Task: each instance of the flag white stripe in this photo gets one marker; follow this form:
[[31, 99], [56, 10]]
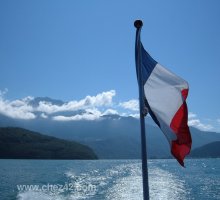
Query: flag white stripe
[[163, 93]]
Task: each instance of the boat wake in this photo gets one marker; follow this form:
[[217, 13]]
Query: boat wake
[[116, 181]]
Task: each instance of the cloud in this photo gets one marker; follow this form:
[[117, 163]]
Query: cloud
[[110, 112], [90, 107], [22, 108], [18, 109], [195, 122], [131, 105], [102, 99], [136, 115], [75, 117], [90, 114], [43, 115], [191, 115]]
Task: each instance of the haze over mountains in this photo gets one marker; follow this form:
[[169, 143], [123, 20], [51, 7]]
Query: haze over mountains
[[109, 135]]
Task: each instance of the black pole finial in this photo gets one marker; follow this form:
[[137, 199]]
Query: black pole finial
[[138, 23]]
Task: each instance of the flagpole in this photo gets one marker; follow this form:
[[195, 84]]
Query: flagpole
[[138, 24]]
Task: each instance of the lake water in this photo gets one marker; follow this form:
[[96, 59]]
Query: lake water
[[108, 179]]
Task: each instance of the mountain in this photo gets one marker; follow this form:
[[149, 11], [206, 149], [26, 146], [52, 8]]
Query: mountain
[[110, 136], [18, 143], [37, 100], [211, 150]]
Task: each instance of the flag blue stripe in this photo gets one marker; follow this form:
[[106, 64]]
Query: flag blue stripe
[[148, 64]]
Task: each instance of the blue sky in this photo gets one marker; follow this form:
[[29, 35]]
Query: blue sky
[[70, 49]]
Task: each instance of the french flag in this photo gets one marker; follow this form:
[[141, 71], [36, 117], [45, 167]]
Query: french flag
[[165, 98]]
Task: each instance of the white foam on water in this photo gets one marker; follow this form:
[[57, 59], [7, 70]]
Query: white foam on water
[[70, 174], [163, 185], [120, 182], [78, 189], [33, 195], [128, 185], [102, 180], [86, 184], [126, 188]]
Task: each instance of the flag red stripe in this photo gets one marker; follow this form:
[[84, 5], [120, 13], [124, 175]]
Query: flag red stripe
[[182, 145], [185, 93]]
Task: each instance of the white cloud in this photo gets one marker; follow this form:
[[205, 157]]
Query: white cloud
[[43, 115], [91, 105], [49, 108], [205, 124], [102, 99], [110, 112], [21, 109], [137, 115], [62, 118], [131, 105], [75, 117], [197, 123], [191, 115], [17, 109], [90, 114]]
